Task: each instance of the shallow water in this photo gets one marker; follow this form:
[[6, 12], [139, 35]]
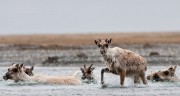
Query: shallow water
[[112, 81]]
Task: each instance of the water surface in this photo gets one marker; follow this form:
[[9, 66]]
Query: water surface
[[112, 81]]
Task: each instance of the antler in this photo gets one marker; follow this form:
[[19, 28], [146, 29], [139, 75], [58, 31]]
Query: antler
[[84, 66], [90, 65]]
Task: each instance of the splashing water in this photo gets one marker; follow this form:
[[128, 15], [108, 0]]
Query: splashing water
[[112, 85]]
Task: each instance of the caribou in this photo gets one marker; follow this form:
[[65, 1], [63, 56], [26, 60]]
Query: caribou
[[121, 62]]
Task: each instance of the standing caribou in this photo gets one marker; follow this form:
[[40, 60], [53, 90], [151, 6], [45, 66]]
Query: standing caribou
[[121, 62]]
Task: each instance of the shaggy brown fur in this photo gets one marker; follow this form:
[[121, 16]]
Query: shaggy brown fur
[[122, 62]]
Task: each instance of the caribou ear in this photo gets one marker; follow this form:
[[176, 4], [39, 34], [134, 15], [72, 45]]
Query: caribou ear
[[32, 68], [96, 42], [109, 41], [106, 40], [17, 65], [21, 65]]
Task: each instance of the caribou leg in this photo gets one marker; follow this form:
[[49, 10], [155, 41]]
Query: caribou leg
[[102, 74], [122, 77]]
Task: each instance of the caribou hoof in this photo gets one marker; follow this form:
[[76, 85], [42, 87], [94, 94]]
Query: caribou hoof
[[102, 82], [103, 85]]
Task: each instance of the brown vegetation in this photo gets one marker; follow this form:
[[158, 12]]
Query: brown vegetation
[[87, 39]]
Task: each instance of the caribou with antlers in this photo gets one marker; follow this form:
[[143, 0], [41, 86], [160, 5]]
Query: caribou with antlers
[[87, 74]]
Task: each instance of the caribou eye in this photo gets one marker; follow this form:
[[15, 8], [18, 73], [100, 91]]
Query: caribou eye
[[148, 77], [15, 70], [89, 72], [156, 77], [26, 72], [99, 46]]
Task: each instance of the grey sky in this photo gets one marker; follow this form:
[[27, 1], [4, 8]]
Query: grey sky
[[88, 16]]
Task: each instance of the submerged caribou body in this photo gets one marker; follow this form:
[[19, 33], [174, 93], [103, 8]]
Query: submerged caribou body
[[9, 75], [21, 73], [167, 75], [16, 72]]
